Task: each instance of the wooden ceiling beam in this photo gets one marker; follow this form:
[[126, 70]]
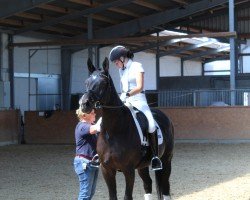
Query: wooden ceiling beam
[[55, 8], [148, 5], [9, 8], [122, 40], [21, 23], [30, 16], [60, 30], [182, 2], [42, 17], [12, 22], [244, 35]]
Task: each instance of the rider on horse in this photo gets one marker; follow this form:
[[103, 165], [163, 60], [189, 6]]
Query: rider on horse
[[132, 87]]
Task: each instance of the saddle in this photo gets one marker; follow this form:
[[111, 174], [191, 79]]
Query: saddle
[[142, 125]]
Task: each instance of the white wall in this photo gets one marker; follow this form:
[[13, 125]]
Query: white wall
[[114, 73], [21, 93], [79, 71], [192, 68], [149, 64], [48, 62], [169, 66], [246, 59], [43, 62]]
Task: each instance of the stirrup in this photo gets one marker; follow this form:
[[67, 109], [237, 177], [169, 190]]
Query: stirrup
[[95, 161], [158, 165]]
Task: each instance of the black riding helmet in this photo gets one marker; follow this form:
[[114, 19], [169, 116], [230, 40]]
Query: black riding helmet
[[120, 51]]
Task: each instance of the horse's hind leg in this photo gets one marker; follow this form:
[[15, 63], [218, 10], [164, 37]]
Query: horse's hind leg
[[147, 181], [109, 176]]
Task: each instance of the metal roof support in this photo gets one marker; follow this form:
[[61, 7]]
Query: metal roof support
[[153, 45], [66, 77], [232, 52], [186, 48], [157, 64], [240, 62], [15, 6], [136, 25], [1, 56], [32, 52], [11, 72], [172, 28], [202, 68], [224, 57], [127, 40], [204, 53], [97, 56], [90, 36]]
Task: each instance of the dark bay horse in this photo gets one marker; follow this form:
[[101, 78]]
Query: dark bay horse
[[119, 146]]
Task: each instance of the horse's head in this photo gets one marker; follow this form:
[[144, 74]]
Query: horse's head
[[98, 87]]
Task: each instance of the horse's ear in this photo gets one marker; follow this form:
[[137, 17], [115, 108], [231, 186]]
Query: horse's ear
[[91, 66], [105, 64]]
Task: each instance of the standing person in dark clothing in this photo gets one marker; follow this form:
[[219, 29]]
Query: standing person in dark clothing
[[86, 139]]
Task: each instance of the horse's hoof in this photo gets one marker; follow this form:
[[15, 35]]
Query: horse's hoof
[[166, 197], [148, 196]]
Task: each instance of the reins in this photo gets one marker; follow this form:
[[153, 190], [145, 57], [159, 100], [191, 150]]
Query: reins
[[98, 106]]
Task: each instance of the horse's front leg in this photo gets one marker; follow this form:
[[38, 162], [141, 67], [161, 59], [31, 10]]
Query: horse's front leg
[[129, 179], [109, 176]]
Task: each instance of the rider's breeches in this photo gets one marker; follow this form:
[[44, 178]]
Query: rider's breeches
[[139, 101]]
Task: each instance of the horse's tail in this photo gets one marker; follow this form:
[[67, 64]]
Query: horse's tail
[[162, 176], [158, 184], [162, 180]]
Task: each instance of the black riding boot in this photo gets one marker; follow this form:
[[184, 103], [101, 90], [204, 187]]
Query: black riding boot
[[156, 163]]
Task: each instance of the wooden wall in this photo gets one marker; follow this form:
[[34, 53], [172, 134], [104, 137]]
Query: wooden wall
[[58, 128], [208, 124], [9, 126]]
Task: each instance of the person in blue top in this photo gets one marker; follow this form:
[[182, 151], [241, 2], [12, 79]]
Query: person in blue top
[[84, 165]]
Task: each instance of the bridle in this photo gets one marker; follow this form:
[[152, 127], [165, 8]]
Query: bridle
[[96, 103]]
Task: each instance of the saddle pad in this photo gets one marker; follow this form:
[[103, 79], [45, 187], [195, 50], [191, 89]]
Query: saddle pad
[[144, 140]]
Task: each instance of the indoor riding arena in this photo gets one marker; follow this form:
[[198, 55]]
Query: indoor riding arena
[[196, 60], [210, 161]]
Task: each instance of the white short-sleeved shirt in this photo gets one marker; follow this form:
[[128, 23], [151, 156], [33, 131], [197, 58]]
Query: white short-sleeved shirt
[[128, 75]]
